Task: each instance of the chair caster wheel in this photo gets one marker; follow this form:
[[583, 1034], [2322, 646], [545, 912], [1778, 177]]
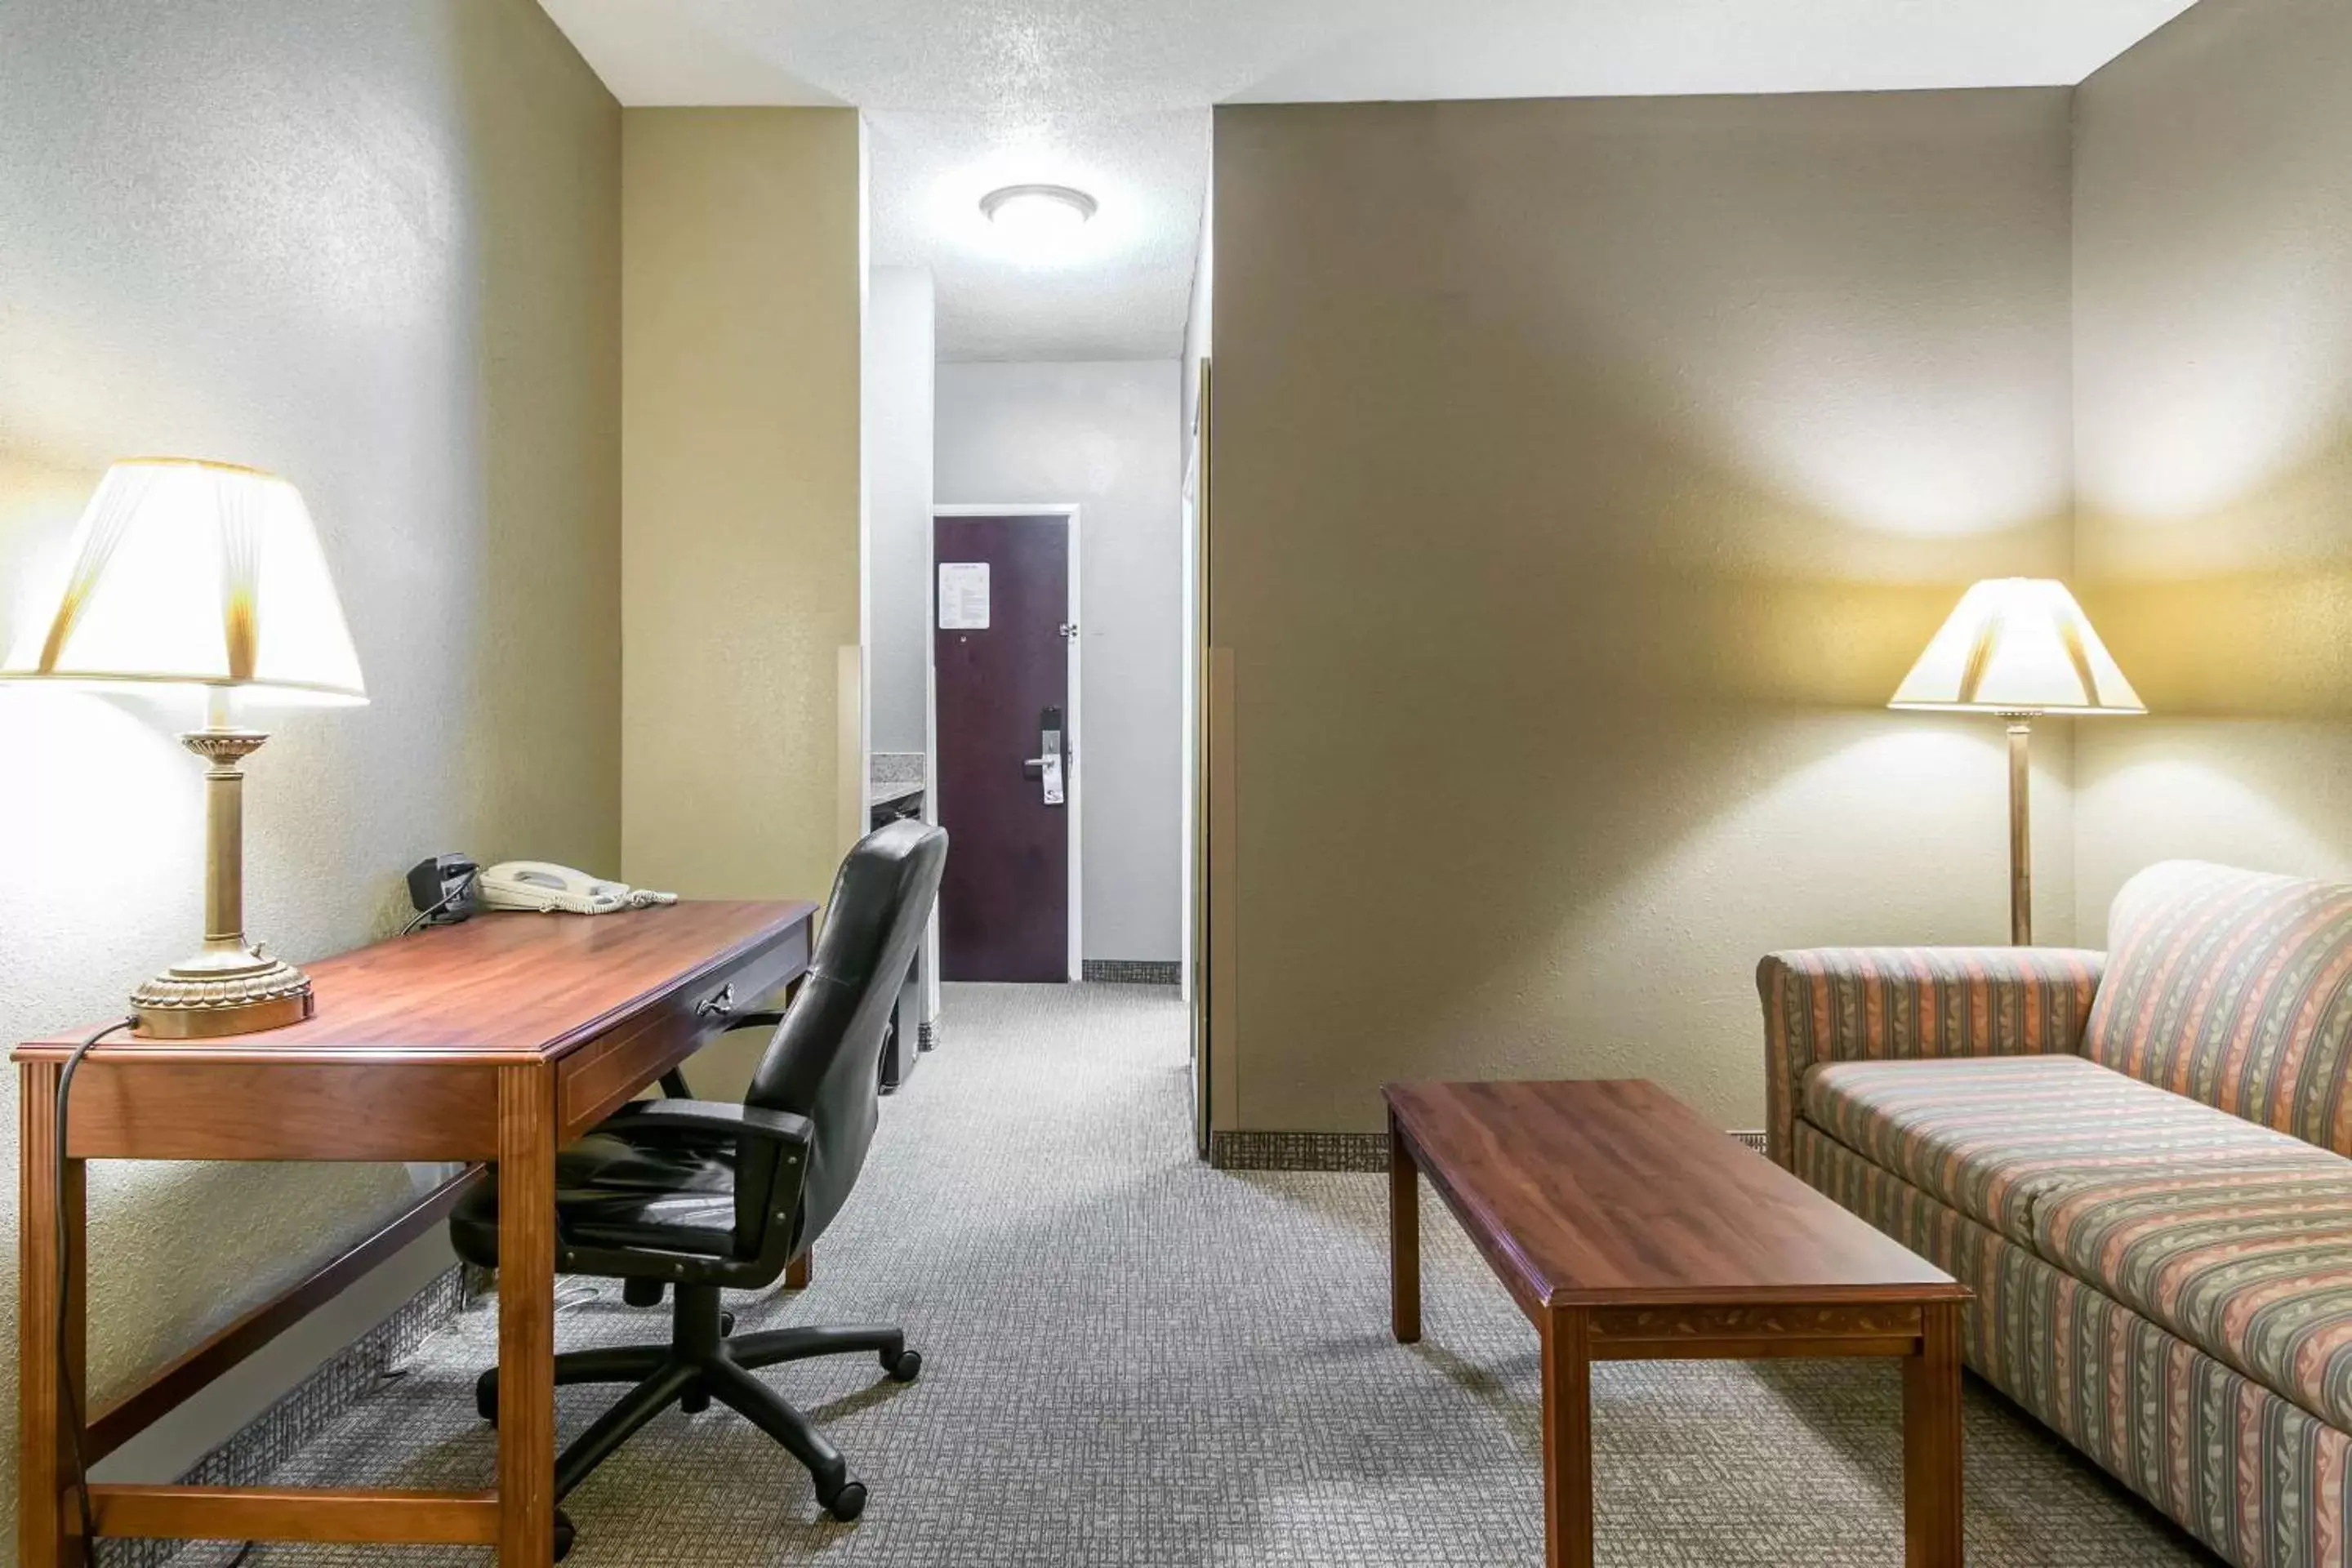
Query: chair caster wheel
[[904, 1367], [725, 1324], [695, 1400], [848, 1502], [564, 1535]]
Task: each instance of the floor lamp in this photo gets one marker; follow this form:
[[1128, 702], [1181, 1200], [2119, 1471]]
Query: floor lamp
[[2018, 648]]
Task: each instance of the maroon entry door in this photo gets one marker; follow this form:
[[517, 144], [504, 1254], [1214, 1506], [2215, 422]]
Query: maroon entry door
[[1000, 652]]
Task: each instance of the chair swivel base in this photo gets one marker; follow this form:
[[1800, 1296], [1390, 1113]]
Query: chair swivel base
[[700, 1363]]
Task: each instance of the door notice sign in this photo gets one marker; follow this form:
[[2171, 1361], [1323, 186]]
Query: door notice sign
[[963, 595]]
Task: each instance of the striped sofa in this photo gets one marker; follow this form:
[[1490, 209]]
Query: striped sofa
[[2137, 1161]]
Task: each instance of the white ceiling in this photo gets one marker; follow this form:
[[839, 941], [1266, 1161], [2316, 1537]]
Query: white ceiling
[[1113, 96], [1122, 288]]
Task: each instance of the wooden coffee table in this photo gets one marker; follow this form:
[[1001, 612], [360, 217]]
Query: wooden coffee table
[[1628, 1229]]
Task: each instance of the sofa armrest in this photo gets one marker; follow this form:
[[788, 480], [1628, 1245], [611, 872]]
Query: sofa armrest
[[1852, 1004]]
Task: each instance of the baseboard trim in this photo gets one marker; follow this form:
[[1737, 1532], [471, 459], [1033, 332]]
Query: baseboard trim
[[1130, 972], [1298, 1151], [1328, 1151], [256, 1450]]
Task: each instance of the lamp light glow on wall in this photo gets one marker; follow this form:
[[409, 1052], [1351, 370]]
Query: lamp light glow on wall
[[201, 576], [1037, 217], [2020, 648]]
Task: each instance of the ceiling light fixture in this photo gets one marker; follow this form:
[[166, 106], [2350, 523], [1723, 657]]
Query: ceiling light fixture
[[1038, 213]]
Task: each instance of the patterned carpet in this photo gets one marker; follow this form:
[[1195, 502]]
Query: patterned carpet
[[1131, 1359]]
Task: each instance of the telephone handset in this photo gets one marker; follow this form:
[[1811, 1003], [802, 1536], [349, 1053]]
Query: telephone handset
[[549, 889]]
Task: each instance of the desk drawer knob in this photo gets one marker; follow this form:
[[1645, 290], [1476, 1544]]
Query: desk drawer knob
[[722, 1005]]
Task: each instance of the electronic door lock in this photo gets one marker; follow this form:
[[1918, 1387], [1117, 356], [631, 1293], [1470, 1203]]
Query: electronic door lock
[[1050, 766]]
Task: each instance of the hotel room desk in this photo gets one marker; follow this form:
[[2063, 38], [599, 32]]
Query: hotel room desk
[[499, 1039]]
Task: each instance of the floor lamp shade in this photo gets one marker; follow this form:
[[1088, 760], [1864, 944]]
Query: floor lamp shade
[[189, 574], [2018, 645], [2021, 648]]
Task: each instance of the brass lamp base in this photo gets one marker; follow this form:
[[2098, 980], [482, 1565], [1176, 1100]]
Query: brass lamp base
[[228, 988], [221, 991]]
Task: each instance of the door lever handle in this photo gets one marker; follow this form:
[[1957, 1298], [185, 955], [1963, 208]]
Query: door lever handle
[[1049, 766]]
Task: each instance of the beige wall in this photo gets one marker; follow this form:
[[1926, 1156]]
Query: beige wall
[[2213, 330], [374, 246], [744, 279], [1587, 475]]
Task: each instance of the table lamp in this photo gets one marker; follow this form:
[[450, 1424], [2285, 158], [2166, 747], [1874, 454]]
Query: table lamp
[[191, 574], [2021, 648]]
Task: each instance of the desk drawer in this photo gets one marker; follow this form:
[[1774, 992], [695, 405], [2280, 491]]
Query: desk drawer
[[608, 1072]]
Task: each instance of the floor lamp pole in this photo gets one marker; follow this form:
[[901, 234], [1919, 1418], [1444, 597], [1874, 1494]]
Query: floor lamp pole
[[2020, 830]]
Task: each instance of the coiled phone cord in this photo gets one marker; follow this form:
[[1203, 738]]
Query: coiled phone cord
[[68, 1394]]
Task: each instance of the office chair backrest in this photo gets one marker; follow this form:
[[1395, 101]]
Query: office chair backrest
[[826, 1060]]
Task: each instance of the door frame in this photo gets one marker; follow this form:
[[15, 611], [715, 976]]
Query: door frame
[[1199, 755], [1074, 782]]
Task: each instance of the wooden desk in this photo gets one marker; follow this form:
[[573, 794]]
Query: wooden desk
[[1628, 1229], [499, 1039]]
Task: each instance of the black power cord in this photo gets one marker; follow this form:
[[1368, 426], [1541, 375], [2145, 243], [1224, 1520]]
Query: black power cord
[[425, 916], [68, 1394]]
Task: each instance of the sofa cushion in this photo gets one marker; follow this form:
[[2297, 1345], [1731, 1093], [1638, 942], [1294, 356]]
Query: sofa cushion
[[2260, 1479], [1992, 1136], [2232, 1236], [2234, 989], [2253, 1264]]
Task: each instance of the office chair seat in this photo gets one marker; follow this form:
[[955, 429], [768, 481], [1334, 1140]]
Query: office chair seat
[[613, 1191], [693, 1196]]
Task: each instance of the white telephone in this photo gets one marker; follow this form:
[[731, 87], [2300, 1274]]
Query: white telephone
[[550, 890]]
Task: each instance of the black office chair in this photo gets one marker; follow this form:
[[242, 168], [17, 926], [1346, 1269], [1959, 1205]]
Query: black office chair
[[698, 1195]]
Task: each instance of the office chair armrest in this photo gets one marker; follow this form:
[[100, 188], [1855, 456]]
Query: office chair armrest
[[770, 1163], [713, 1119]]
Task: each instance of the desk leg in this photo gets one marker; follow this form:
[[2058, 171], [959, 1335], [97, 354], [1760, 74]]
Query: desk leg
[[1931, 1442], [1404, 1238], [526, 1316], [1566, 1439], [46, 1236]]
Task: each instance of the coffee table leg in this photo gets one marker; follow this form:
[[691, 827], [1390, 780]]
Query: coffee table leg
[[1404, 1238], [1931, 1442], [1567, 1440]]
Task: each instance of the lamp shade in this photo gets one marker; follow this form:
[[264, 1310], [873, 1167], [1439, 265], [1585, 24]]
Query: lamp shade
[[2018, 645], [197, 573]]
